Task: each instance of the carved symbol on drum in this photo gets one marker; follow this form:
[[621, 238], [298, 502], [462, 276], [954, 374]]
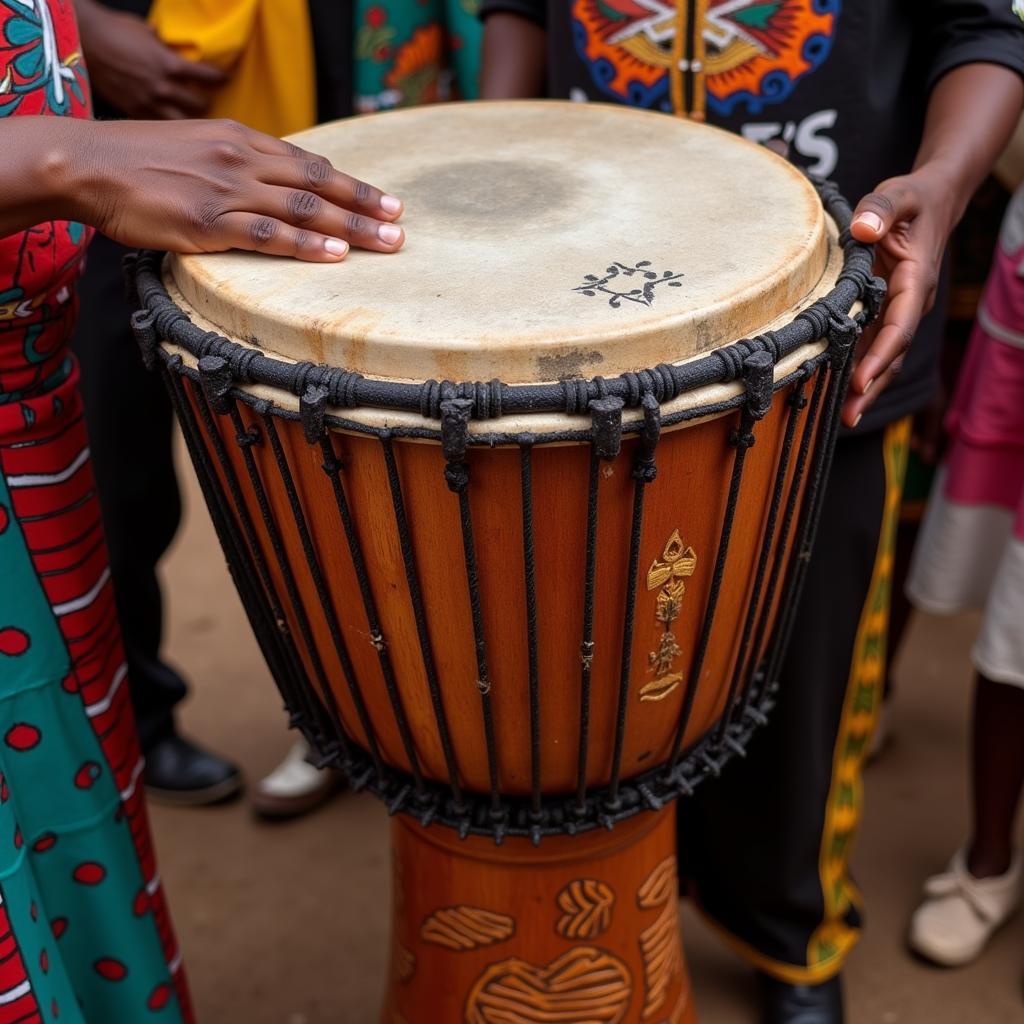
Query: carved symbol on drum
[[587, 909], [462, 928], [669, 574], [659, 944], [585, 984], [644, 295]]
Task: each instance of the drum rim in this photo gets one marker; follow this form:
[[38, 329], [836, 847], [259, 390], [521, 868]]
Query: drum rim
[[227, 363]]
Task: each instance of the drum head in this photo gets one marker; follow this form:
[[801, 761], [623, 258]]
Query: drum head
[[545, 240]]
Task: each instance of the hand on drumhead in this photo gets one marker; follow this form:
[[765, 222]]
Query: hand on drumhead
[[909, 219], [207, 186]]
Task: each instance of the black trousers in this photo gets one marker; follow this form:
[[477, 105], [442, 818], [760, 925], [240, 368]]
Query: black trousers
[[765, 848], [129, 418]]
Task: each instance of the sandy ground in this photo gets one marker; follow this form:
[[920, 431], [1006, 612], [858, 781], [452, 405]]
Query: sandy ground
[[287, 924]]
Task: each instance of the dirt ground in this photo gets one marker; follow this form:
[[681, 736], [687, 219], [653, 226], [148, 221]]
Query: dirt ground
[[287, 924]]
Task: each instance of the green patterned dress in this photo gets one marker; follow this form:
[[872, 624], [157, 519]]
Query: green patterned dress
[[409, 52]]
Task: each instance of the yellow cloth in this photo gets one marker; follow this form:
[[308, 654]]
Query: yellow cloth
[[265, 45]]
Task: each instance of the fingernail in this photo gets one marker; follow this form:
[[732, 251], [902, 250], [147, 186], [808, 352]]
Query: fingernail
[[335, 246], [391, 204], [867, 387], [860, 416], [869, 220], [389, 234]]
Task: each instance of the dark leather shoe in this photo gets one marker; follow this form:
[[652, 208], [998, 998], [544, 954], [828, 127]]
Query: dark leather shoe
[[179, 772], [802, 1004]]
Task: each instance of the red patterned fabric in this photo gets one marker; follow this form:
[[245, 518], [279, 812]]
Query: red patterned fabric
[[19, 1001], [41, 73], [85, 934]]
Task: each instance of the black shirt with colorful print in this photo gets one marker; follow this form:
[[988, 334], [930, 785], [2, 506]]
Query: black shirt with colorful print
[[843, 82]]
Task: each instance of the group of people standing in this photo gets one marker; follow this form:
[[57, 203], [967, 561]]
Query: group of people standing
[[908, 110]]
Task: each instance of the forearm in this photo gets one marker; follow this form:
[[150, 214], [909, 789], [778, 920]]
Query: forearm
[[45, 164], [189, 186], [971, 116], [514, 58]]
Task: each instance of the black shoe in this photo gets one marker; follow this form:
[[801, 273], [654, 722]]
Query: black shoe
[[802, 1004], [179, 772]]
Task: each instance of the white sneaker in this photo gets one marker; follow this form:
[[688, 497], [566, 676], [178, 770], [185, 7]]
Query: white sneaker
[[960, 913], [295, 786]]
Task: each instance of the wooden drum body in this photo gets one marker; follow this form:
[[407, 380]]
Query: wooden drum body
[[526, 608]]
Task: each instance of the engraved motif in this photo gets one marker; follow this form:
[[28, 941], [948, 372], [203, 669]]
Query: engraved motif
[[668, 575], [587, 909], [644, 295], [659, 944], [676, 564], [585, 984], [461, 928], [405, 963], [667, 652]]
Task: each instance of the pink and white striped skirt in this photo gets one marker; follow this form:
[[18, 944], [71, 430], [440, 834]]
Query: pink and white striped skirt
[[970, 553]]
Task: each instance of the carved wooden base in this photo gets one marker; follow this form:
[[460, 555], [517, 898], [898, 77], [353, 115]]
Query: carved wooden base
[[582, 929]]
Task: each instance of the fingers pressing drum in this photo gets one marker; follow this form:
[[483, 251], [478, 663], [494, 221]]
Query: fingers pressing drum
[[316, 174], [306, 209], [277, 238]]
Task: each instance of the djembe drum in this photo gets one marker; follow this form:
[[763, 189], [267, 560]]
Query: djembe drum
[[519, 525]]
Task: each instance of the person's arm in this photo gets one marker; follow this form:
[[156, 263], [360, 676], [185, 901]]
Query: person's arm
[[972, 112], [514, 61], [138, 74], [188, 186]]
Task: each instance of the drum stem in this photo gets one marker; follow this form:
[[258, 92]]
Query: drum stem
[[583, 928]]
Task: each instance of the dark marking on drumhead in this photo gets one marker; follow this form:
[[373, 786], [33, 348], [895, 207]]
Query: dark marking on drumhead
[[574, 363], [492, 193], [625, 284]]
